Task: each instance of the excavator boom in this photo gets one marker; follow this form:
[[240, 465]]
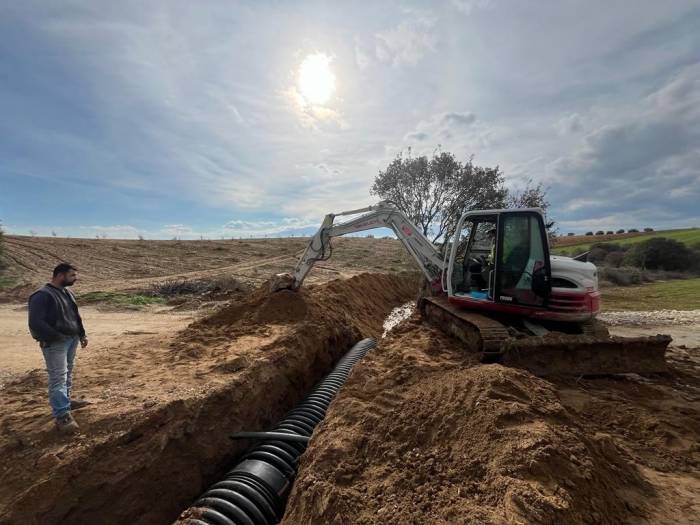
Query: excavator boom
[[382, 215]]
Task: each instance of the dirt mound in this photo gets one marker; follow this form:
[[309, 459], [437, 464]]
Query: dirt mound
[[360, 303], [459, 443], [158, 433]]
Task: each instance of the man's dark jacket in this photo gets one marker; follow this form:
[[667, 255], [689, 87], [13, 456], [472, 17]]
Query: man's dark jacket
[[53, 315]]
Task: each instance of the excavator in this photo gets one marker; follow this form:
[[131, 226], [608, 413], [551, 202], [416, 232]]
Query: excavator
[[496, 287]]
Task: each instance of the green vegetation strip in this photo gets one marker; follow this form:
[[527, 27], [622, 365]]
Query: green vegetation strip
[[688, 236], [120, 299], [683, 294], [6, 281]]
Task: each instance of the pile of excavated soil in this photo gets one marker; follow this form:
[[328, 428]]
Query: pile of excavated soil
[[421, 433], [157, 432]]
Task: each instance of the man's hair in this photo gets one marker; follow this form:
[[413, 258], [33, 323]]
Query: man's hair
[[63, 268]]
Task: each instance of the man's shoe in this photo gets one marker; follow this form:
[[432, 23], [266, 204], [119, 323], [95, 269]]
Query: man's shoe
[[77, 404], [67, 424]]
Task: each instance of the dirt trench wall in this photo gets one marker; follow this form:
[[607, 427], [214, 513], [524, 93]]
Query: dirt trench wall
[[460, 443], [151, 472]]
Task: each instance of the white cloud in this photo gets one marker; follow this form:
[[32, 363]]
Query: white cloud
[[459, 132], [639, 157], [311, 116], [408, 42], [569, 124], [121, 231], [271, 228], [468, 6], [362, 56], [458, 119]]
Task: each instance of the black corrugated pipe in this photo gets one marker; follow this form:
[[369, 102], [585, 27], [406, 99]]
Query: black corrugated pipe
[[255, 491]]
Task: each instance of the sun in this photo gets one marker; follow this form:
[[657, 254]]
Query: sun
[[316, 80]]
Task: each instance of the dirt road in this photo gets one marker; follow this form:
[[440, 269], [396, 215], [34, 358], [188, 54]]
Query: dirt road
[[20, 353]]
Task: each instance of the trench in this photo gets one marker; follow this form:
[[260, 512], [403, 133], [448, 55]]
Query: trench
[[255, 491], [165, 461]]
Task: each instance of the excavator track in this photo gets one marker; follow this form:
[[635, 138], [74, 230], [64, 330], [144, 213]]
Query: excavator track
[[593, 352]]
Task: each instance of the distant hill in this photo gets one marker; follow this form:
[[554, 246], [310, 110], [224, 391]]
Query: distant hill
[[581, 243]]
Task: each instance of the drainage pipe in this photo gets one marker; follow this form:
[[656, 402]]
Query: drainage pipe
[[255, 491]]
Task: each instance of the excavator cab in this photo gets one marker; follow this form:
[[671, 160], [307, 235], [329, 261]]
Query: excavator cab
[[500, 257]]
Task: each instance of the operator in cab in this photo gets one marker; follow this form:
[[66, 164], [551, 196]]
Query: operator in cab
[[490, 260]]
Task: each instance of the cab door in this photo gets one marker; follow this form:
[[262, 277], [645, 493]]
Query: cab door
[[523, 270]]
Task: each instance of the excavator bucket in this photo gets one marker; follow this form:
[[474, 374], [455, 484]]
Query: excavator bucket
[[594, 352]]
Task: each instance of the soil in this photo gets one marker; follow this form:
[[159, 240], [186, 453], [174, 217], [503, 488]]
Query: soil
[[20, 354], [421, 433], [463, 442], [156, 433]]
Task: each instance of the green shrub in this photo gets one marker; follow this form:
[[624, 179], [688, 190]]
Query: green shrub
[[600, 251], [622, 276], [608, 247], [175, 287], [119, 298], [614, 259], [660, 253], [596, 255]]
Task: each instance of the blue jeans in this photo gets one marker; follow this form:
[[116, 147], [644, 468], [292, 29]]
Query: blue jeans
[[59, 357]]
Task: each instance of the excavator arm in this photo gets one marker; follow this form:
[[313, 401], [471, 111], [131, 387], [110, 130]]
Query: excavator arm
[[381, 215]]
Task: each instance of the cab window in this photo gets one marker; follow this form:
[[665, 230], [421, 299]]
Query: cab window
[[521, 260]]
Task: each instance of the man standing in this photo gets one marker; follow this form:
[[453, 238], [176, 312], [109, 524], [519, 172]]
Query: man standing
[[54, 321]]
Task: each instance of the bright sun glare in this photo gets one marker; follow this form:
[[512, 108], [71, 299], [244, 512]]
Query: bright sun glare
[[316, 80]]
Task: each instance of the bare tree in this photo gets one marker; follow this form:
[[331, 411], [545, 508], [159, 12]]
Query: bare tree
[[435, 192], [532, 196]]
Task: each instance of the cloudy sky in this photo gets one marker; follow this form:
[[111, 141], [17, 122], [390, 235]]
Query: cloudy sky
[[166, 118]]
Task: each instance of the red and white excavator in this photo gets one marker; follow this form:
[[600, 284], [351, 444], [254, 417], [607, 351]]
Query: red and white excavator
[[497, 288]]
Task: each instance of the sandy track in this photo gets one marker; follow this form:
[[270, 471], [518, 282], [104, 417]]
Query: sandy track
[[20, 353]]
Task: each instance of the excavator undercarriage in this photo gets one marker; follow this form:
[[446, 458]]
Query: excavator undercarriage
[[511, 343]]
